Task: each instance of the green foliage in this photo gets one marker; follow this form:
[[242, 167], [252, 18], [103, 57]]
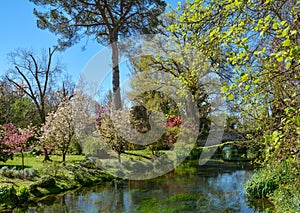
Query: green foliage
[[33, 187], [24, 112], [8, 97], [8, 197], [259, 52], [76, 148], [110, 134], [261, 185], [4, 156], [47, 182], [188, 167], [287, 198], [87, 163], [4, 193], [272, 180], [23, 194], [83, 178], [125, 19], [53, 168]]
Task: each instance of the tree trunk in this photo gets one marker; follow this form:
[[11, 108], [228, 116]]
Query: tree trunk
[[119, 157], [117, 104], [47, 158], [22, 154], [64, 157]]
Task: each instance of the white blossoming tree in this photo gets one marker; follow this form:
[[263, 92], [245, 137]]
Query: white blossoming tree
[[58, 131]]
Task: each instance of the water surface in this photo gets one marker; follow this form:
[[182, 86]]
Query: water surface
[[200, 192]]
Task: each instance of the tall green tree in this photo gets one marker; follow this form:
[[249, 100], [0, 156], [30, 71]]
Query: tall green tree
[[106, 21], [7, 98], [260, 42], [175, 56], [24, 113]]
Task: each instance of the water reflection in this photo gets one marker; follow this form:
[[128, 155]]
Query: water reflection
[[222, 192]]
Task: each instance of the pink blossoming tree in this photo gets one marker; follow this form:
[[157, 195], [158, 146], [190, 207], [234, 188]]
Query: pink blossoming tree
[[16, 140]]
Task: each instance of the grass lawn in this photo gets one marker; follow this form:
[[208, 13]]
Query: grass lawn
[[36, 162]]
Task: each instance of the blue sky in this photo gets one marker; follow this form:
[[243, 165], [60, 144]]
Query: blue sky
[[18, 30]]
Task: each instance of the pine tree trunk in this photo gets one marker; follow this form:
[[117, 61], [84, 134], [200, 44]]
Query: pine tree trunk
[[117, 104]]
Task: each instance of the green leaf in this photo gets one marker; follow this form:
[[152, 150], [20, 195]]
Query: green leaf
[[244, 77], [224, 89], [256, 81], [280, 59], [288, 65], [228, 7], [294, 32], [284, 23], [298, 120], [285, 32], [275, 26], [286, 43], [230, 97], [237, 3], [295, 51]]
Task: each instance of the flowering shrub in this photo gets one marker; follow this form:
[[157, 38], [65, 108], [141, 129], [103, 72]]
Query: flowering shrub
[[15, 140], [108, 131], [172, 129]]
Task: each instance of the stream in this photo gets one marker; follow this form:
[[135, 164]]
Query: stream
[[209, 189]]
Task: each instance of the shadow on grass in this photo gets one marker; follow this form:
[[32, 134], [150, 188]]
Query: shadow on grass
[[18, 167]]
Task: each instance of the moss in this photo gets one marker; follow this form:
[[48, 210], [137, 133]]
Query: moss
[[175, 203]]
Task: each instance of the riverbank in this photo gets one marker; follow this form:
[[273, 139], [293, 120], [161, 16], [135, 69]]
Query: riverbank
[[39, 179], [172, 192]]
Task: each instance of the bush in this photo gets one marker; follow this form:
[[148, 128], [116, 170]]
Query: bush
[[287, 198], [4, 193], [29, 173], [195, 154], [5, 171], [14, 173], [33, 187], [266, 180], [47, 182], [83, 179], [76, 148], [23, 194], [261, 185]]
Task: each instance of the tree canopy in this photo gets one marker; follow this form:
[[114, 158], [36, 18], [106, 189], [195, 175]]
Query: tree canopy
[[106, 21]]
